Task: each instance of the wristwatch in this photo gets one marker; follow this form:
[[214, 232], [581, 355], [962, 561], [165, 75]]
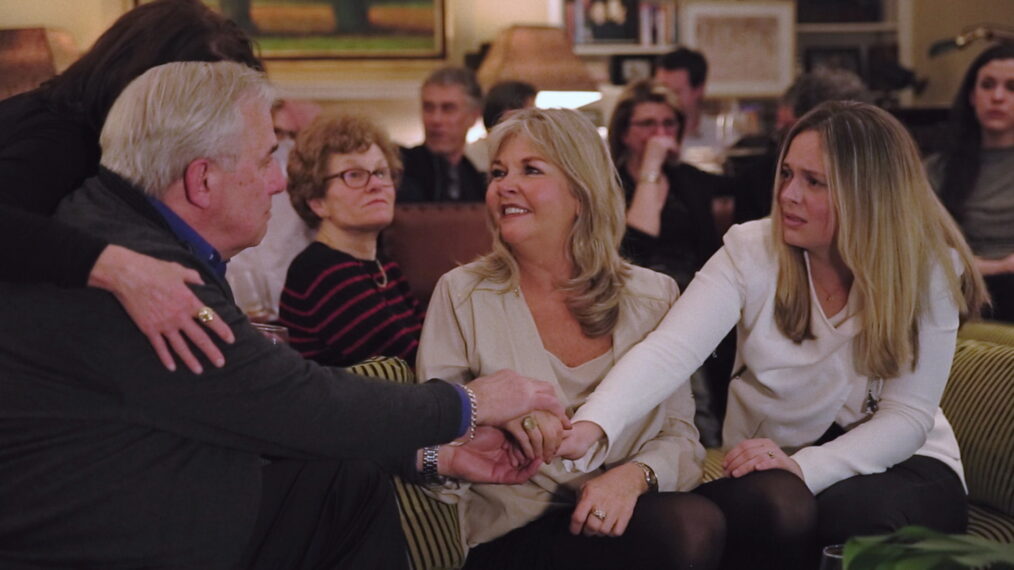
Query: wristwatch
[[430, 473], [649, 476]]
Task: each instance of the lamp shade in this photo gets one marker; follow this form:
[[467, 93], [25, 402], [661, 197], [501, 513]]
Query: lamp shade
[[540, 55]]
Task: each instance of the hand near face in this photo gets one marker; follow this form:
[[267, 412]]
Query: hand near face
[[607, 502], [758, 455], [506, 395], [579, 439], [657, 151], [489, 458], [541, 437]]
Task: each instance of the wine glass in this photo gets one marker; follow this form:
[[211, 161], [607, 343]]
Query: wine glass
[[250, 289], [277, 334], [832, 557]]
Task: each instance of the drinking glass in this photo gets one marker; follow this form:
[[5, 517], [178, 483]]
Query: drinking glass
[[277, 334], [831, 558], [250, 289]]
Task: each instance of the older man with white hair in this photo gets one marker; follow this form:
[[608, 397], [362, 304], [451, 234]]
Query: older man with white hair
[[108, 460]]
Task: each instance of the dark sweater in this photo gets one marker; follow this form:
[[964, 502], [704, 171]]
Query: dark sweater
[[687, 237], [338, 314], [43, 157], [107, 460]]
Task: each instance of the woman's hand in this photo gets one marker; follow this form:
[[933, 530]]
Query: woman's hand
[[577, 441], [156, 296], [539, 434], [488, 458], [659, 150], [758, 455], [607, 502], [649, 197], [995, 266]]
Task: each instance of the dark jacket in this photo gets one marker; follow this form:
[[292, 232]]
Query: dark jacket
[[107, 460], [426, 176], [44, 155]]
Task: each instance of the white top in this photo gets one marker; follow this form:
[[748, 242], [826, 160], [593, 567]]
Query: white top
[[790, 393], [473, 329]]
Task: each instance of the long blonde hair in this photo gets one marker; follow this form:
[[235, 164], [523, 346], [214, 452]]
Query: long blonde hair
[[570, 142], [891, 233]]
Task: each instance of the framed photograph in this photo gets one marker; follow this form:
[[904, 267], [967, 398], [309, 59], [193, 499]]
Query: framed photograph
[[849, 58], [614, 21], [624, 69], [750, 46], [340, 29]]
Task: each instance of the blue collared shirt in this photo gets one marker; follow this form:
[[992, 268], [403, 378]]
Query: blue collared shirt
[[193, 240]]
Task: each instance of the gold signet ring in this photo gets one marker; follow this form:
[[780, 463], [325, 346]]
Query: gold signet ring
[[529, 423], [205, 315]]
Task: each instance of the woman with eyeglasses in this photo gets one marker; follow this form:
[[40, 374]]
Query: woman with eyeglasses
[[670, 227], [342, 303]]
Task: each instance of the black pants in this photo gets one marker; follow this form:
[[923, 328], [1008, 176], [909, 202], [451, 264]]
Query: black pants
[[775, 522], [326, 515], [667, 530]]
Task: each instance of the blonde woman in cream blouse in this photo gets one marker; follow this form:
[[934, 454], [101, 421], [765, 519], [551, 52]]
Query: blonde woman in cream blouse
[[555, 301], [847, 303]]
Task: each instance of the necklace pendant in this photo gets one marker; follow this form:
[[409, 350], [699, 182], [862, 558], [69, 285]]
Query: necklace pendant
[[382, 282]]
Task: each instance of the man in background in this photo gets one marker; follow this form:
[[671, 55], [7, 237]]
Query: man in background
[[438, 170]]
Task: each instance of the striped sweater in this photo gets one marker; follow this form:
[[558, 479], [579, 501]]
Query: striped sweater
[[338, 313]]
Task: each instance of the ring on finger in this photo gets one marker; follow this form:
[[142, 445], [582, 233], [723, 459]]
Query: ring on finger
[[771, 454], [205, 314], [529, 423], [599, 514]]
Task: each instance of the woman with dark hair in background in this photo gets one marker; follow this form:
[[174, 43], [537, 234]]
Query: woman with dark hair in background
[[975, 177], [49, 146]]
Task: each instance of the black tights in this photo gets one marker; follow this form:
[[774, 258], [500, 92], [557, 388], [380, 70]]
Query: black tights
[[667, 530], [774, 521], [771, 518]]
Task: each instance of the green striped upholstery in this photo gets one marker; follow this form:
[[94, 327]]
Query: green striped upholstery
[[431, 527], [987, 523], [712, 465], [991, 331], [979, 402]]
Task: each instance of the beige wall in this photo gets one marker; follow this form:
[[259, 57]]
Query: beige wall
[[84, 19], [938, 19]]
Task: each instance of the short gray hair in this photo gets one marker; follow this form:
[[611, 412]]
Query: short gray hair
[[460, 76], [175, 113], [824, 84]]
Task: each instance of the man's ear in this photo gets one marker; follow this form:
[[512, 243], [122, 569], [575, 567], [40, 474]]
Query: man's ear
[[197, 183]]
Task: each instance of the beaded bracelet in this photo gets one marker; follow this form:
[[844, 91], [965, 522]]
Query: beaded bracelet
[[472, 421]]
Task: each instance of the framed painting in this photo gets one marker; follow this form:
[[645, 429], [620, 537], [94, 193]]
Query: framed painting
[[750, 46], [340, 29]]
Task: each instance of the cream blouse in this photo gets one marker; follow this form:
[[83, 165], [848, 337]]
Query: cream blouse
[[473, 329]]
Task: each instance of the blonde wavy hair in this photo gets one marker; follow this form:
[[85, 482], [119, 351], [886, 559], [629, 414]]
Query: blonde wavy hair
[[891, 233], [570, 142]]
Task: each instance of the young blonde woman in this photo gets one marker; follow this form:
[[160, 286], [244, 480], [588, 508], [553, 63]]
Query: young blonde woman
[[557, 302], [846, 305]]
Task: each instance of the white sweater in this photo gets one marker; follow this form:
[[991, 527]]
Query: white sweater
[[790, 393]]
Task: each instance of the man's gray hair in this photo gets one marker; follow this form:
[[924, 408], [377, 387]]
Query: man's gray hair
[[824, 84], [175, 113], [460, 76]]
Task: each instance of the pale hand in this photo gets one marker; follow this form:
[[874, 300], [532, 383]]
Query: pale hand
[[488, 458], [758, 455], [615, 493], [579, 439], [543, 441], [505, 395], [156, 296]]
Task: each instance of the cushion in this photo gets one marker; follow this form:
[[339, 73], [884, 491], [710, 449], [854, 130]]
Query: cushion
[[991, 331], [979, 402], [987, 523], [431, 528]]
